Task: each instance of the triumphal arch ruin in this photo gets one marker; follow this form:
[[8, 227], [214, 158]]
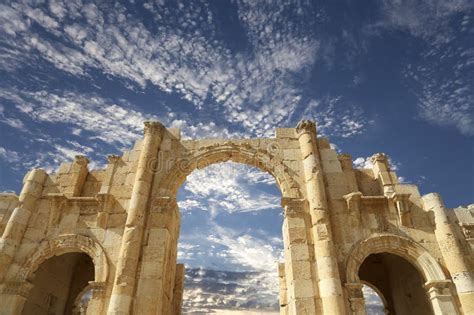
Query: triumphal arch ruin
[[105, 241]]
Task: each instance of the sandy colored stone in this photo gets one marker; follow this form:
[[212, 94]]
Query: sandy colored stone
[[337, 219]]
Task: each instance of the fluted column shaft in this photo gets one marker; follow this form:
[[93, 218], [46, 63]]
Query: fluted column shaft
[[126, 270], [18, 222], [458, 261], [330, 289]]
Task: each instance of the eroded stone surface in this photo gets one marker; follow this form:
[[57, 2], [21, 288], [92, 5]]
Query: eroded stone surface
[[337, 220]]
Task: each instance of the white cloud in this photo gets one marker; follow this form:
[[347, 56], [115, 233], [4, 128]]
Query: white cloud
[[9, 155], [362, 162], [251, 90], [365, 162], [336, 116], [234, 186], [442, 80]]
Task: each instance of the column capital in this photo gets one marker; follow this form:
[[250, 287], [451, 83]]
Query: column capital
[[81, 160], [113, 158], [306, 126], [153, 127]]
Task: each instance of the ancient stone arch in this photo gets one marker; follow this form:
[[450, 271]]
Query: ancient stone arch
[[414, 253], [267, 159], [62, 244], [398, 245], [125, 217]]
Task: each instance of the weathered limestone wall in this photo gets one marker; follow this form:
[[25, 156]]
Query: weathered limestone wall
[[126, 218]]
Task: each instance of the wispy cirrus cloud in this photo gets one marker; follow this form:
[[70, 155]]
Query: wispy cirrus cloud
[[441, 80], [255, 88], [230, 188]]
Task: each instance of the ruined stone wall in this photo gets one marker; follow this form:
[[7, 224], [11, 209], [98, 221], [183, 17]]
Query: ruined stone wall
[[125, 217]]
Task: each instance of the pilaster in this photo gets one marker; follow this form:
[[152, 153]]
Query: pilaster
[[126, 269], [300, 291], [457, 259], [330, 289], [18, 222]]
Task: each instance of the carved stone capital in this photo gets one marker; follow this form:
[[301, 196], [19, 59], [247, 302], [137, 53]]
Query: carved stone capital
[[439, 287], [112, 158], [468, 230], [153, 128], [306, 126], [81, 160]]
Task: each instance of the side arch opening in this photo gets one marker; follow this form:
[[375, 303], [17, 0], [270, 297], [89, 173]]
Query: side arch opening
[[398, 282], [409, 277], [58, 285]]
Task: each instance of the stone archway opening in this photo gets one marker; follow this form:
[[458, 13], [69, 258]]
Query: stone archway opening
[[60, 285], [400, 284], [230, 238]]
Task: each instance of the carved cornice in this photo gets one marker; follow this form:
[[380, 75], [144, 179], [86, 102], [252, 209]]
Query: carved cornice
[[306, 126], [356, 200]]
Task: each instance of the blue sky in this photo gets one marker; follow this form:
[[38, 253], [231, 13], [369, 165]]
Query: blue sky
[[378, 76]]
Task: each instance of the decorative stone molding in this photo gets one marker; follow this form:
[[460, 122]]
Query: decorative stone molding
[[113, 159], [20, 288], [82, 205], [394, 244], [468, 230], [439, 287], [66, 243], [229, 151], [356, 201], [81, 160]]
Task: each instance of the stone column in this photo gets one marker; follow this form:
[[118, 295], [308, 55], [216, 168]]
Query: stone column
[[356, 298], [126, 269], [441, 297], [299, 280], [458, 261], [18, 222], [330, 289]]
